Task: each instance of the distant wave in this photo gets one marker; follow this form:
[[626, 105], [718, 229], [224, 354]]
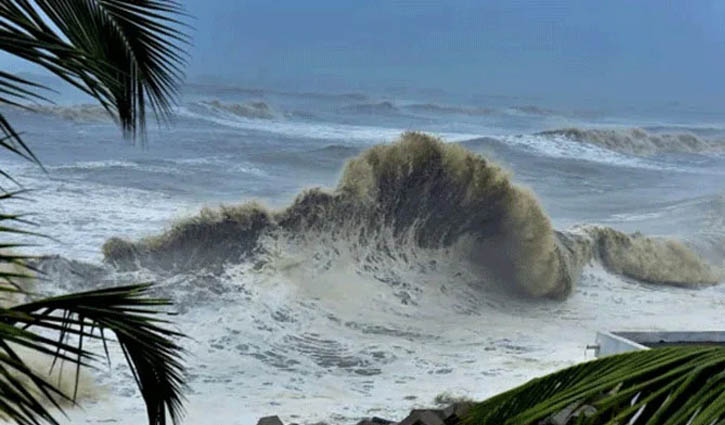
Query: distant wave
[[248, 110], [88, 113], [371, 108], [707, 213], [701, 130], [85, 113], [556, 146], [301, 114], [647, 259], [337, 151], [417, 195], [303, 129], [354, 97], [638, 141], [433, 108], [205, 88], [447, 109], [533, 110], [260, 92]]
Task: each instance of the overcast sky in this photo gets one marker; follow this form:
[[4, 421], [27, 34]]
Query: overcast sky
[[625, 50]]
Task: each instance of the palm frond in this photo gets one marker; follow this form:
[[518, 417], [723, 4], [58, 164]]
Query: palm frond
[[128, 312], [124, 53], [666, 386], [59, 328], [14, 267]]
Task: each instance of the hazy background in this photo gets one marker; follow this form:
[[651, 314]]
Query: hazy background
[[551, 52]]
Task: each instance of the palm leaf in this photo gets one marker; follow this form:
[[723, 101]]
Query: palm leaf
[[668, 386], [124, 53], [14, 267], [127, 312]]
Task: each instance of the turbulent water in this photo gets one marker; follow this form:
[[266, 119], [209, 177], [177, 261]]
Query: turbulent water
[[329, 265]]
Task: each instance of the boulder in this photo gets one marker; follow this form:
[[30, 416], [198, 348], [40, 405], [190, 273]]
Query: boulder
[[376, 421], [454, 413], [270, 420], [424, 417]]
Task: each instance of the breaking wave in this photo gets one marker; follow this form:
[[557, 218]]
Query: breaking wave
[[84, 113], [638, 141], [250, 110], [532, 110], [447, 109], [384, 107], [643, 258], [397, 201], [87, 389], [96, 114], [336, 151], [355, 97]]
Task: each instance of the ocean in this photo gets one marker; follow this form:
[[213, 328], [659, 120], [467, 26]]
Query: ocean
[[413, 274]]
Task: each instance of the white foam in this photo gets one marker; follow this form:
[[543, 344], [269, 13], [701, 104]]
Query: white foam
[[82, 215], [324, 131], [224, 162], [104, 164], [633, 217], [479, 352], [561, 147]]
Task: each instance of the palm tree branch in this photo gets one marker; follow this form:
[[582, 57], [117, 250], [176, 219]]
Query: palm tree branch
[[150, 351], [126, 55], [676, 383], [122, 52]]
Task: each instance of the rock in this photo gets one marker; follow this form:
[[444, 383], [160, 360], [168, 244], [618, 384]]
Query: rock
[[424, 417], [376, 421], [270, 420], [454, 413]]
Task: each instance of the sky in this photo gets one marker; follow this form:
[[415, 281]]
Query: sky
[[629, 51]]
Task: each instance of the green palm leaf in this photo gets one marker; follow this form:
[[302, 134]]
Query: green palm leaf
[[127, 312], [126, 54], [60, 327], [668, 386]]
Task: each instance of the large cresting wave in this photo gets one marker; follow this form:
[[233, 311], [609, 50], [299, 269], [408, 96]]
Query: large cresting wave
[[419, 194]]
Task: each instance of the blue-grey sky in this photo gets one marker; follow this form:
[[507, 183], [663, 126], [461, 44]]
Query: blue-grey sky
[[637, 51]]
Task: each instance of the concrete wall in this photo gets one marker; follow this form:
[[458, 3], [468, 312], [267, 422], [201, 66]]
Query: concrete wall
[[609, 343]]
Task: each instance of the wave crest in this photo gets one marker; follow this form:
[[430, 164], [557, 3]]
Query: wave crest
[[638, 141], [447, 109], [647, 259], [385, 107], [249, 110], [85, 113]]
